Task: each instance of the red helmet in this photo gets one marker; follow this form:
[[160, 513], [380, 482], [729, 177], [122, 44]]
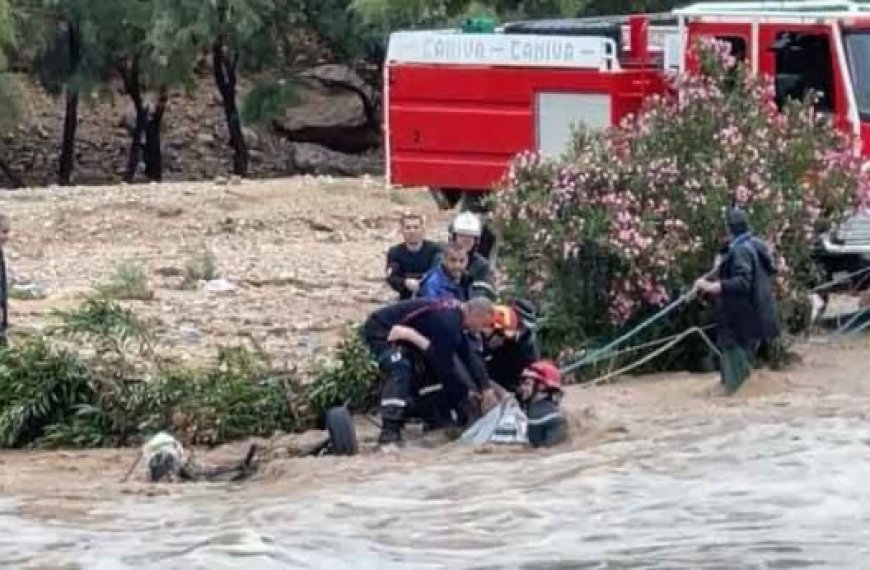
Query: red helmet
[[545, 373]]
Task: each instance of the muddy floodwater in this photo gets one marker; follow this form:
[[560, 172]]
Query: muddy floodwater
[[660, 474]]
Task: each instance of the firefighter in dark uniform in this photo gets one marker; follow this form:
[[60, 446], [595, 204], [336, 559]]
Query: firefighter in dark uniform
[[509, 347], [437, 330], [540, 393]]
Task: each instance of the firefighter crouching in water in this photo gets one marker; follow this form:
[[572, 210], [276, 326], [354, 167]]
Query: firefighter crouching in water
[[437, 331], [540, 393], [509, 345], [745, 305]]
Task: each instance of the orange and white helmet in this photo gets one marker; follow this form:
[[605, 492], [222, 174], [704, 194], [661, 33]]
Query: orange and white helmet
[[505, 321]]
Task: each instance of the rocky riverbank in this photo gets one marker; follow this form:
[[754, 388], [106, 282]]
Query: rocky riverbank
[[326, 128], [295, 260]]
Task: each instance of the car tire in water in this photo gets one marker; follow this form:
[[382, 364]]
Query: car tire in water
[[342, 432]]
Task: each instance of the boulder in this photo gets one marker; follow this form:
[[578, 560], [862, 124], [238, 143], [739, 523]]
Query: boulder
[[307, 158], [339, 75], [335, 110]]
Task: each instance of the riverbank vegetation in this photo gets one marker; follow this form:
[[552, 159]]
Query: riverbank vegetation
[[96, 378], [633, 216]]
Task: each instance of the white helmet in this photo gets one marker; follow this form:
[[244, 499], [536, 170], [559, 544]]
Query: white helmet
[[467, 224]]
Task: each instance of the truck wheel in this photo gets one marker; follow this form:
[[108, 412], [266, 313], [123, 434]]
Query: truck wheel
[[342, 432], [446, 198]]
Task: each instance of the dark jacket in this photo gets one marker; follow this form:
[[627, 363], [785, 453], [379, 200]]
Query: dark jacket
[[746, 308], [479, 278], [505, 363], [437, 284], [441, 322], [547, 425], [403, 263]]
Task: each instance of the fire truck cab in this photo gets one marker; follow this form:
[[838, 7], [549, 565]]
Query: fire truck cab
[[459, 106]]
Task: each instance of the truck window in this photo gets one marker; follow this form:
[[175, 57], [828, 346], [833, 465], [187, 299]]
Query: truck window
[[858, 51], [804, 66], [738, 46]]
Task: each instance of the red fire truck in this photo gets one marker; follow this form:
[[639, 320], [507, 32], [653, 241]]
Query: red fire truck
[[460, 106]]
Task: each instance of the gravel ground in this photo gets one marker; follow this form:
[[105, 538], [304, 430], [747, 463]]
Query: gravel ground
[[305, 256]]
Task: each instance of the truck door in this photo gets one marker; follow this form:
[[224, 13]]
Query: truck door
[[802, 59]]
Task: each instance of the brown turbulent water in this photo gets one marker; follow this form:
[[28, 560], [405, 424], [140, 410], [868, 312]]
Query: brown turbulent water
[[661, 474]]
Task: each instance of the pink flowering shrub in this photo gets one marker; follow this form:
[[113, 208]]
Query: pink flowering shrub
[[637, 213]]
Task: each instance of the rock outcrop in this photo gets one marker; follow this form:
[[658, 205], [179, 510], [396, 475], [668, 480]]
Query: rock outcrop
[[337, 111], [336, 124]]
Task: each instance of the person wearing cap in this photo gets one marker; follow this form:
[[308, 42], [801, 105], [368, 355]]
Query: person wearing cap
[[509, 347], [465, 231], [745, 304], [408, 261], [539, 394]]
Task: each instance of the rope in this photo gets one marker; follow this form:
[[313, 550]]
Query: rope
[[607, 351], [654, 354], [851, 322], [652, 343], [842, 279], [597, 355], [860, 329]]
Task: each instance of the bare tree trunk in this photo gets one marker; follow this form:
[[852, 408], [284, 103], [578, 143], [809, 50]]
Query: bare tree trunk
[[66, 161], [153, 152], [226, 80], [130, 76]]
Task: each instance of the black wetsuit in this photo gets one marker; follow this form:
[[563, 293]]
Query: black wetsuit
[[547, 425]]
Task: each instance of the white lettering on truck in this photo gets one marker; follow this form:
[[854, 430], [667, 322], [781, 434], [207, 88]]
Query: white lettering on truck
[[497, 49], [542, 51]]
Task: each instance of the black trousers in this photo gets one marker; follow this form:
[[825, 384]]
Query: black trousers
[[410, 388]]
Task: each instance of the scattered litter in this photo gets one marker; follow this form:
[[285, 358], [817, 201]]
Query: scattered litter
[[219, 286], [27, 291], [190, 334], [312, 343]]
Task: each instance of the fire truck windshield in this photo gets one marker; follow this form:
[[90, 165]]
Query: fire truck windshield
[[858, 51]]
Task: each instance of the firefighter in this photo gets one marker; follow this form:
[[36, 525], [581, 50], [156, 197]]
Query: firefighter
[[745, 305], [437, 331], [540, 393], [446, 280], [509, 347], [466, 231], [411, 259]]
